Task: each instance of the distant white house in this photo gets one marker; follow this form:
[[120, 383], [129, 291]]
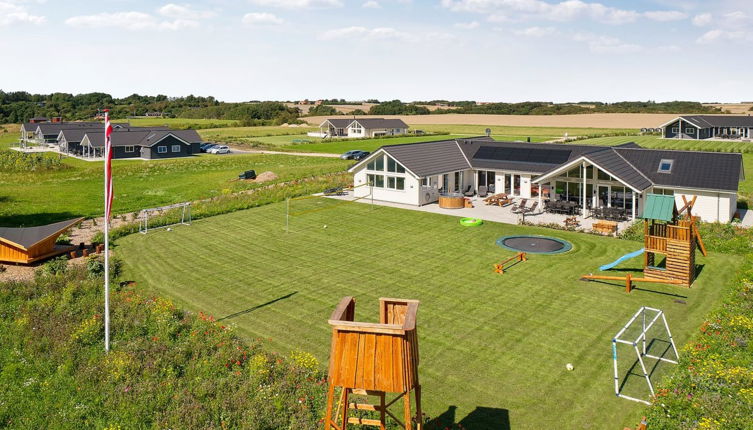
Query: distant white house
[[360, 128]]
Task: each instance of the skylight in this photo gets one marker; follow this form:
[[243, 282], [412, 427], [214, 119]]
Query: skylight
[[665, 166]]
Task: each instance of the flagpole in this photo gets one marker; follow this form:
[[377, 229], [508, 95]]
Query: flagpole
[[107, 181]]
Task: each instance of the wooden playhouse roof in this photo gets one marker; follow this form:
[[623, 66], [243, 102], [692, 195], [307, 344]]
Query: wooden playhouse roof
[[28, 237], [659, 207]]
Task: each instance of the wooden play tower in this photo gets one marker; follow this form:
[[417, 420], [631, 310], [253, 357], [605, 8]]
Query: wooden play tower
[[674, 234], [370, 360]]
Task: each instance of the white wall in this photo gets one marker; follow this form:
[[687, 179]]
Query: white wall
[[409, 196], [710, 206]]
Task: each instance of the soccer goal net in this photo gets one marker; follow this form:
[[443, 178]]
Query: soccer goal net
[[164, 217], [647, 335]]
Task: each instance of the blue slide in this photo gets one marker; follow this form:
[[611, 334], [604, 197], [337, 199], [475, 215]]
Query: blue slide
[[621, 259]]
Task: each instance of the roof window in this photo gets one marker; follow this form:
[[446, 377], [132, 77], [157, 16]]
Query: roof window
[[665, 166]]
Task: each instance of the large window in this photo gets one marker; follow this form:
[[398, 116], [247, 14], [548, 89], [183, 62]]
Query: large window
[[356, 129], [376, 181], [376, 164], [176, 148], [162, 150], [394, 166], [395, 183]]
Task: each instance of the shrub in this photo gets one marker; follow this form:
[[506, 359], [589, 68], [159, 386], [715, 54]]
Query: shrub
[[718, 237], [14, 161], [63, 239], [56, 266], [167, 368], [95, 266]]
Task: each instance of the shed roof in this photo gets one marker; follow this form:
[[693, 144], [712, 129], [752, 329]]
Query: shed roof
[[27, 237], [659, 207], [381, 123]]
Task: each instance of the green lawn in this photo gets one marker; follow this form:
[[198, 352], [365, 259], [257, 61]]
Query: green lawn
[[520, 132], [249, 134], [499, 342], [180, 122], [35, 198]]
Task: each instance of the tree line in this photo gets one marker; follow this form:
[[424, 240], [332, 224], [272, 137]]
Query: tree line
[[20, 106]]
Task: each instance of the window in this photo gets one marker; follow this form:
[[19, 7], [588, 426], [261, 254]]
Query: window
[[376, 164], [356, 129], [176, 148], [665, 166], [400, 185], [394, 166], [425, 181], [395, 183], [675, 129], [379, 181], [664, 191], [689, 130], [162, 149], [391, 182], [130, 149], [604, 176]]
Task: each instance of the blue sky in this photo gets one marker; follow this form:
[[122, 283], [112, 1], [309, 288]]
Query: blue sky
[[485, 50]]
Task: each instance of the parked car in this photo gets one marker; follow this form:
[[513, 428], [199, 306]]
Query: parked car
[[349, 155], [206, 146], [219, 149], [360, 155]]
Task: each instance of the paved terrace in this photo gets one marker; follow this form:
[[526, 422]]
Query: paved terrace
[[488, 212]]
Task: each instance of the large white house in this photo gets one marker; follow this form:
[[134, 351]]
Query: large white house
[[360, 128], [594, 177]]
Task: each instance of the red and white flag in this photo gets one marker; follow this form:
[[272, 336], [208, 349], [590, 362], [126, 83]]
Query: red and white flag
[[108, 167]]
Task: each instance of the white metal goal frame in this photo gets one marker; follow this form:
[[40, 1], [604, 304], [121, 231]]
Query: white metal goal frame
[[144, 214], [643, 314]]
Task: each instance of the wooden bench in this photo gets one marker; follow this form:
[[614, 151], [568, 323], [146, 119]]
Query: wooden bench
[[605, 227]]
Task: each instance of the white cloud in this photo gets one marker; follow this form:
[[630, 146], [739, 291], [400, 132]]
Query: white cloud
[[371, 4], [721, 35], [298, 4], [665, 15], [563, 11], [467, 25], [132, 21], [358, 32], [535, 31], [261, 18], [172, 10], [702, 20], [11, 12], [605, 44]]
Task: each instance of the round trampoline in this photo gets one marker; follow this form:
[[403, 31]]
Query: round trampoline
[[535, 244]]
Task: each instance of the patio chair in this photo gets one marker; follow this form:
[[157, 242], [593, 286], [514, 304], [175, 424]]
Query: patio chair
[[520, 206], [532, 209], [482, 191], [469, 191]]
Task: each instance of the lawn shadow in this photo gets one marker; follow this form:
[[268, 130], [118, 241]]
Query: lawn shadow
[[651, 364], [481, 418], [32, 220], [253, 308]]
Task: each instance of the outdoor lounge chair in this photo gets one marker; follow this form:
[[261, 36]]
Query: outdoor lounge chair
[[482, 191], [469, 191], [532, 209], [520, 207]]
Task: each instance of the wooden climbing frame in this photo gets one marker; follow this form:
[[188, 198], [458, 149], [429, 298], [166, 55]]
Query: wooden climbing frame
[[519, 257], [372, 360]]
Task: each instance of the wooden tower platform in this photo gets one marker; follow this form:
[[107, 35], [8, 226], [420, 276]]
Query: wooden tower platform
[[372, 360], [667, 232]]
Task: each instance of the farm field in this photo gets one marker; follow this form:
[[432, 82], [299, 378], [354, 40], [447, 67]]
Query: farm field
[[179, 123], [590, 120], [492, 345], [33, 198]]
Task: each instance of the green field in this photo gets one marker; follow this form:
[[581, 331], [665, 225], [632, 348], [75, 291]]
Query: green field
[[249, 134], [521, 132], [180, 122], [490, 343], [35, 198]]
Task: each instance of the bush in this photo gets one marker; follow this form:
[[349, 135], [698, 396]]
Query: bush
[[167, 368], [63, 239], [718, 237], [712, 386], [56, 266], [95, 266], [14, 161]]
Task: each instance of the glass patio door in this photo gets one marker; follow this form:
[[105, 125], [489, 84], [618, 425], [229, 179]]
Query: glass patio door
[[605, 198]]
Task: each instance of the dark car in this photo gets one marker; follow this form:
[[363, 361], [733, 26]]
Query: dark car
[[206, 146], [360, 155], [349, 155]]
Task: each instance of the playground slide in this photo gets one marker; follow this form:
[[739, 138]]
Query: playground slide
[[621, 259]]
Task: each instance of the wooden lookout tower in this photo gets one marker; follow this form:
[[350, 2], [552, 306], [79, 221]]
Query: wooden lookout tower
[[672, 233], [370, 360]]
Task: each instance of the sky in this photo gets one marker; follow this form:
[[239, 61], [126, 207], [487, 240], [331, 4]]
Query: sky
[[483, 50]]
